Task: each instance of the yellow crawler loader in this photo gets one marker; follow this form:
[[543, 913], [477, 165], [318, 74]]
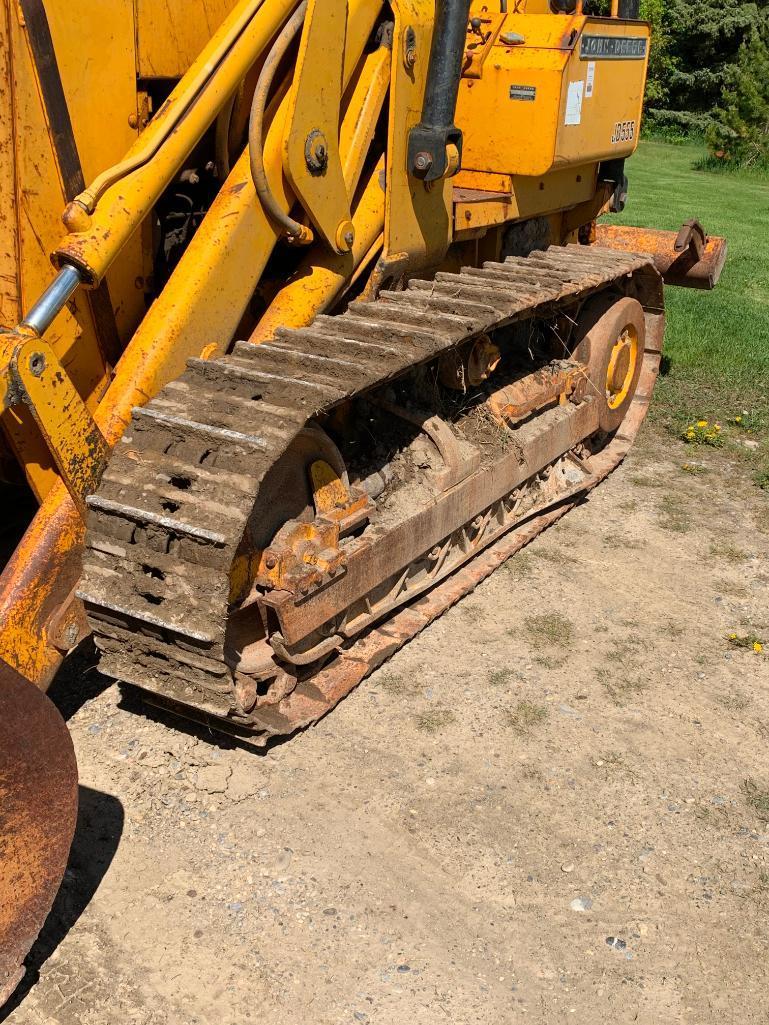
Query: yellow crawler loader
[[306, 325]]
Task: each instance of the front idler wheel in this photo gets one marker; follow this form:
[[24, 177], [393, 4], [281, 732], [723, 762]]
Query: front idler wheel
[[610, 339]]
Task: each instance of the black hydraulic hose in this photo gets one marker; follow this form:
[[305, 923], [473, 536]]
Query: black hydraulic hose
[[271, 207]]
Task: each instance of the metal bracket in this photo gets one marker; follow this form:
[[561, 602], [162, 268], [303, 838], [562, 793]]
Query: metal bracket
[[311, 142], [692, 235], [33, 375]]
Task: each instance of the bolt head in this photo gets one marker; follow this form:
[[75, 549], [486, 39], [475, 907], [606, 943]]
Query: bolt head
[[423, 161]]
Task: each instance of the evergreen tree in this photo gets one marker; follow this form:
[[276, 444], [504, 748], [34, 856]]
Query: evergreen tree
[[740, 127], [702, 40], [662, 63]]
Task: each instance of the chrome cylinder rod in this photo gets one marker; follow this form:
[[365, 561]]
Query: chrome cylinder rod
[[53, 300]]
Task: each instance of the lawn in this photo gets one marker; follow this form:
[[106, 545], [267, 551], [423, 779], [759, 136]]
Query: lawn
[[716, 343]]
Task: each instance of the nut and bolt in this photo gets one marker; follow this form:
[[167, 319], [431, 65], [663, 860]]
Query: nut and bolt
[[410, 48], [349, 238], [271, 561], [423, 161]]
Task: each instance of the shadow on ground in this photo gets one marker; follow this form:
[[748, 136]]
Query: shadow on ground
[[97, 835]]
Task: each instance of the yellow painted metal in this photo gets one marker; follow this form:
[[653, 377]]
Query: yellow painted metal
[[527, 197], [197, 81], [32, 192], [10, 286], [539, 106], [209, 291], [170, 35], [321, 277], [417, 215], [480, 40], [44, 566], [200, 307], [622, 365], [103, 108], [329, 491], [73, 439], [367, 95], [125, 203], [312, 160]]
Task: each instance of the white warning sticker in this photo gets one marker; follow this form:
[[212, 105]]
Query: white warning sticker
[[574, 103], [590, 79]]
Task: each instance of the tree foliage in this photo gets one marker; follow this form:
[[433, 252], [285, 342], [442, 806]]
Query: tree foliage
[[740, 127], [695, 54]]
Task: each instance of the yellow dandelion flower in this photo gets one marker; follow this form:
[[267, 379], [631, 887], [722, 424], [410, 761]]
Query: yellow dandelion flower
[[702, 423], [738, 419], [732, 637], [758, 647]]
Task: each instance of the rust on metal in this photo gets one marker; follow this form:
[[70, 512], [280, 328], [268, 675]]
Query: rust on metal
[[687, 258], [557, 382], [38, 809], [207, 591]]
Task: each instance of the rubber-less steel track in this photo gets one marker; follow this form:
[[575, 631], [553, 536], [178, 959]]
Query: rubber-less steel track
[[166, 526]]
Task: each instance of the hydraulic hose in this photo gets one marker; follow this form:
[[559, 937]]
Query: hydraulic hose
[[296, 231]]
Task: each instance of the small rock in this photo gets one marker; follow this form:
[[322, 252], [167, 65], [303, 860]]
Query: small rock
[[213, 778], [94, 728], [360, 1016], [581, 904], [403, 968], [568, 710], [283, 860], [615, 943], [240, 787], [567, 868], [153, 759]]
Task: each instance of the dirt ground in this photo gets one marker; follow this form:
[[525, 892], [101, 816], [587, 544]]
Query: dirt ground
[[552, 806]]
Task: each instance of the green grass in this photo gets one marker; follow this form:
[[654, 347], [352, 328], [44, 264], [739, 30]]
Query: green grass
[[524, 717], [717, 343]]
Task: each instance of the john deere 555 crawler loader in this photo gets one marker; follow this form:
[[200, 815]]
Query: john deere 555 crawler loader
[[330, 333]]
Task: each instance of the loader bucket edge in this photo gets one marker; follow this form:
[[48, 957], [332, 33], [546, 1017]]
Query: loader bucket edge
[[38, 810]]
